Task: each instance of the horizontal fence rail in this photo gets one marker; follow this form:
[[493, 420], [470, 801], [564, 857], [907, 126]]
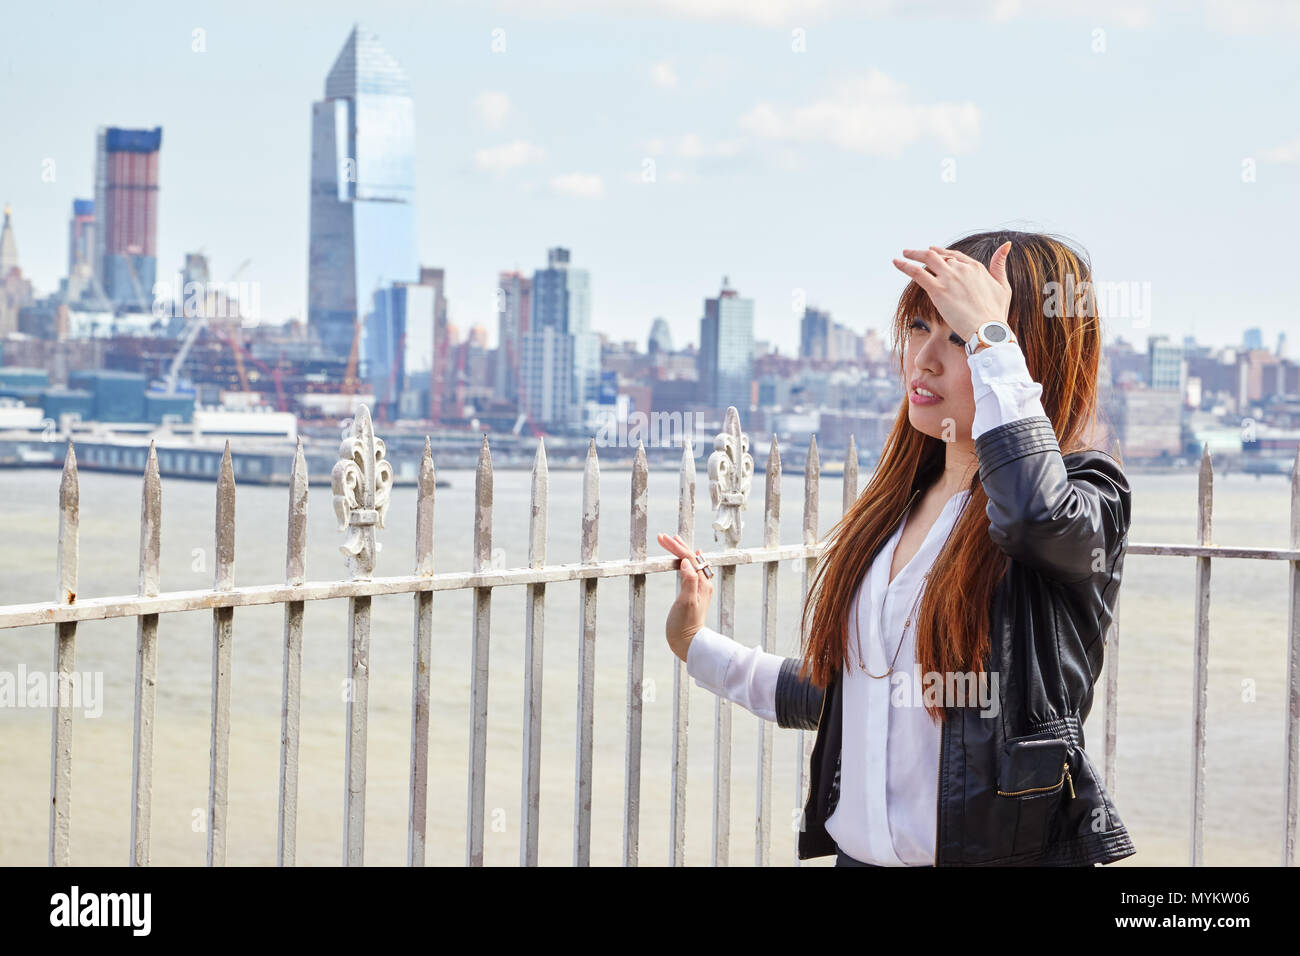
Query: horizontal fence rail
[[361, 484]]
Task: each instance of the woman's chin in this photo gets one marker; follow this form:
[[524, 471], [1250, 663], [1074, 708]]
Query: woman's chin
[[931, 420]]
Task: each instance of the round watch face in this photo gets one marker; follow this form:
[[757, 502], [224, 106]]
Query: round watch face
[[995, 333]]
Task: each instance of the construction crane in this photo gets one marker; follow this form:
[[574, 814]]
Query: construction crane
[[191, 335], [132, 251], [350, 373], [273, 373]]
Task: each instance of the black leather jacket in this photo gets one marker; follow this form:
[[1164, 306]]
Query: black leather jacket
[[1017, 788]]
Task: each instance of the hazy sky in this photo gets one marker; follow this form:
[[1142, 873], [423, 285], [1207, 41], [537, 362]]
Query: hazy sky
[[797, 147]]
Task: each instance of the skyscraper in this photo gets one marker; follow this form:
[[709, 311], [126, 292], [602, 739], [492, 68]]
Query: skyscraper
[[81, 237], [15, 291], [1166, 368], [8, 246], [514, 313], [727, 351], [661, 337], [405, 339], [546, 372], [815, 334], [126, 205], [363, 236], [561, 301]]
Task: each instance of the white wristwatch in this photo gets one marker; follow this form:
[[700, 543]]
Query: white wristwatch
[[994, 332]]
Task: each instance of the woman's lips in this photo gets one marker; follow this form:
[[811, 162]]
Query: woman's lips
[[916, 398]]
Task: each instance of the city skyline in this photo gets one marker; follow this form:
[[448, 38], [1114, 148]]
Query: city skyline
[[772, 199]]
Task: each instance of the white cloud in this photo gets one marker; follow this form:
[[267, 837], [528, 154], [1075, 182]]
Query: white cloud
[[662, 74], [579, 185], [1133, 14], [1288, 152], [691, 146], [498, 159], [869, 114], [761, 12], [637, 177], [492, 107], [1252, 16], [1227, 16]]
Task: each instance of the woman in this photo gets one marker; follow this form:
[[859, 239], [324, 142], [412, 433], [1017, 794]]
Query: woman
[[959, 612]]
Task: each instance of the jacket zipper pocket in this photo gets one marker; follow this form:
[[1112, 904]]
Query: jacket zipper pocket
[[1065, 778]]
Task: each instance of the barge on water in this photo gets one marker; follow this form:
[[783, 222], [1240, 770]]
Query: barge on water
[[254, 464]]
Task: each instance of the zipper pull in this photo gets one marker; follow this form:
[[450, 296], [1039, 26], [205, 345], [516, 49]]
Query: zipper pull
[[1069, 780]]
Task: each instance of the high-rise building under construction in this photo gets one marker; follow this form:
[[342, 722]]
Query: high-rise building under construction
[[126, 210]]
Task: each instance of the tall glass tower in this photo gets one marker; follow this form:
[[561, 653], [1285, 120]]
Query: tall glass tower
[[726, 359], [363, 235]]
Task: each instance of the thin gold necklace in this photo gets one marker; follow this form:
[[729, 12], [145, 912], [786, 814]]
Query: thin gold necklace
[[908, 622]]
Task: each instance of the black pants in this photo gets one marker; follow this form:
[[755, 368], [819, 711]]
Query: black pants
[[843, 859]]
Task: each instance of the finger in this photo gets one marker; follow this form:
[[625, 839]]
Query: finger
[[703, 580], [933, 261], [672, 545], [959, 256], [918, 274], [703, 589], [998, 264]]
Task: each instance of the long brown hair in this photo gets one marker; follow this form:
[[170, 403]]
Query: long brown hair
[[1059, 330]]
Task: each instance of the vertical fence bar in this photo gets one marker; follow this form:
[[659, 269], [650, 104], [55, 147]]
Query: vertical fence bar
[[534, 635], [1291, 786], [65, 650], [358, 688], [681, 680], [849, 492], [586, 662], [730, 471], [482, 634], [1201, 653], [811, 491], [722, 728], [295, 573], [638, 525], [417, 818], [362, 481], [223, 619], [146, 663], [1110, 717], [771, 539]]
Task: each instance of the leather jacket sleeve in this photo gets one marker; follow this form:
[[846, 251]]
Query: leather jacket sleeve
[[1068, 526], [798, 701]]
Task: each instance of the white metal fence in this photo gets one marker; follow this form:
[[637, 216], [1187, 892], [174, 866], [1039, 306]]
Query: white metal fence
[[362, 480]]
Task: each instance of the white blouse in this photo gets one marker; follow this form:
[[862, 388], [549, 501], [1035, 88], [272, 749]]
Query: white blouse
[[888, 805]]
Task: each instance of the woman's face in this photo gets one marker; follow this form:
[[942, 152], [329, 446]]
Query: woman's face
[[935, 359]]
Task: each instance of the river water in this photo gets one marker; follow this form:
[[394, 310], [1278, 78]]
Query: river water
[[1247, 670]]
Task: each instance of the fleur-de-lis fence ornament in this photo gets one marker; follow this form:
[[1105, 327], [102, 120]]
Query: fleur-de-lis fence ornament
[[362, 480], [731, 471]]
